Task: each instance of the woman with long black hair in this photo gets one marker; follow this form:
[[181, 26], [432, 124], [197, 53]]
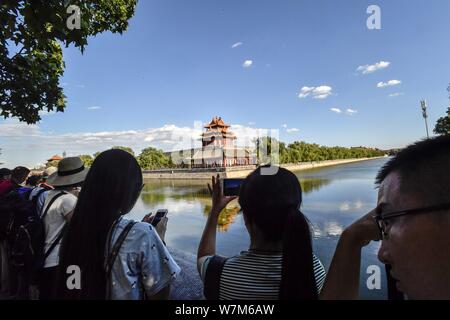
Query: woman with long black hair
[[118, 258], [280, 263]]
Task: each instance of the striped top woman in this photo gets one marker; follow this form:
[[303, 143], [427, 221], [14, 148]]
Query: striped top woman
[[280, 263]]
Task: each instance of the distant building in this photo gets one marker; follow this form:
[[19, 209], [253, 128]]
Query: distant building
[[54, 158], [218, 149]]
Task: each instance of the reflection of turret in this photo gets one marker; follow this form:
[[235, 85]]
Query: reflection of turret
[[226, 217]]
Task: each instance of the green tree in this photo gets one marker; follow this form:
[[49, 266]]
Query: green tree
[[127, 149], [53, 163], [87, 160], [265, 150], [152, 158], [443, 124], [31, 60]]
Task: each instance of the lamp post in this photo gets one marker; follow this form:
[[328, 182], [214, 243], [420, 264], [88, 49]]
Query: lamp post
[[423, 105]]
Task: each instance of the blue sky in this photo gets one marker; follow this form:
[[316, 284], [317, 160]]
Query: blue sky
[[176, 64]]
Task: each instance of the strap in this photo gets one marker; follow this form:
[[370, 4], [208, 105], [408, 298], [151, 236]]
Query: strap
[[115, 250], [212, 277], [60, 235], [57, 240], [38, 194], [50, 203]]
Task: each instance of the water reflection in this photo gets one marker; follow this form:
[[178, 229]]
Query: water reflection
[[327, 229], [333, 197], [313, 184], [226, 217]]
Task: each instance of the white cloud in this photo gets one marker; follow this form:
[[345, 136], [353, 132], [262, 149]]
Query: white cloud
[[292, 130], [247, 63], [237, 44], [81, 86], [397, 94], [16, 129], [247, 135], [94, 108], [390, 83], [251, 123], [24, 144], [284, 125], [337, 110], [373, 67], [321, 92], [44, 113], [305, 91], [345, 206], [351, 111]]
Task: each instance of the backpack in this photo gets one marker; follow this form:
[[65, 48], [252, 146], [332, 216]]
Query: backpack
[[26, 240]]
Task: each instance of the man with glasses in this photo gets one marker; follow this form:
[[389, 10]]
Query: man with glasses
[[412, 219]]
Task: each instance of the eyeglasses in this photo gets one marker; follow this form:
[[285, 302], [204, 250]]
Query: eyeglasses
[[382, 218]]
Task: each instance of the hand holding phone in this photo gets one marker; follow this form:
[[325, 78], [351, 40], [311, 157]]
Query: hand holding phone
[[219, 199], [161, 213], [231, 187]]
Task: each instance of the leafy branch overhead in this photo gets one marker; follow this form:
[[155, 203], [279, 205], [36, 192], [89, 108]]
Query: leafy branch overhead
[[31, 60], [443, 124]]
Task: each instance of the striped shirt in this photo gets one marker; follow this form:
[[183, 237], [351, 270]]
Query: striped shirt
[[255, 275]]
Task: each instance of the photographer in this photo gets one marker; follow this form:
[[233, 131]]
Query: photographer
[[118, 259], [280, 263]]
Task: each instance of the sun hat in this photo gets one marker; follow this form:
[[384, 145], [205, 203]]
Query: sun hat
[[70, 171]]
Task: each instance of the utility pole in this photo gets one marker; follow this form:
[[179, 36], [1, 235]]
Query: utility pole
[[423, 105]]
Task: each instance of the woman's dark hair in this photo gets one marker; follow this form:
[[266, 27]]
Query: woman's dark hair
[[33, 180], [272, 203], [111, 188], [4, 172]]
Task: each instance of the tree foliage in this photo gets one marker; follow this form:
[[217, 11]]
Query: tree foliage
[[53, 163], [443, 124], [300, 151], [87, 160], [152, 158], [31, 60]]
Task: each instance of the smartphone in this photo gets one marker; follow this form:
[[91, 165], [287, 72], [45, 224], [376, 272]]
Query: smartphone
[[161, 213], [231, 186]]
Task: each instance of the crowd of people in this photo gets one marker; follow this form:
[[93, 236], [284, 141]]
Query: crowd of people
[[76, 216]]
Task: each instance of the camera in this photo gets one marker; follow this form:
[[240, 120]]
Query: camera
[[231, 186]]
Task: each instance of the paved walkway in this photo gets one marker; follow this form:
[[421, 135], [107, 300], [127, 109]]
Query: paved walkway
[[188, 285]]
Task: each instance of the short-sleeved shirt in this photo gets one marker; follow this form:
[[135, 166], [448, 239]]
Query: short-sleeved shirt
[[143, 263], [54, 222], [41, 198], [254, 275]]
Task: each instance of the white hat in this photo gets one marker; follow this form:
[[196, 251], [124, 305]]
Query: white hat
[[71, 171]]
